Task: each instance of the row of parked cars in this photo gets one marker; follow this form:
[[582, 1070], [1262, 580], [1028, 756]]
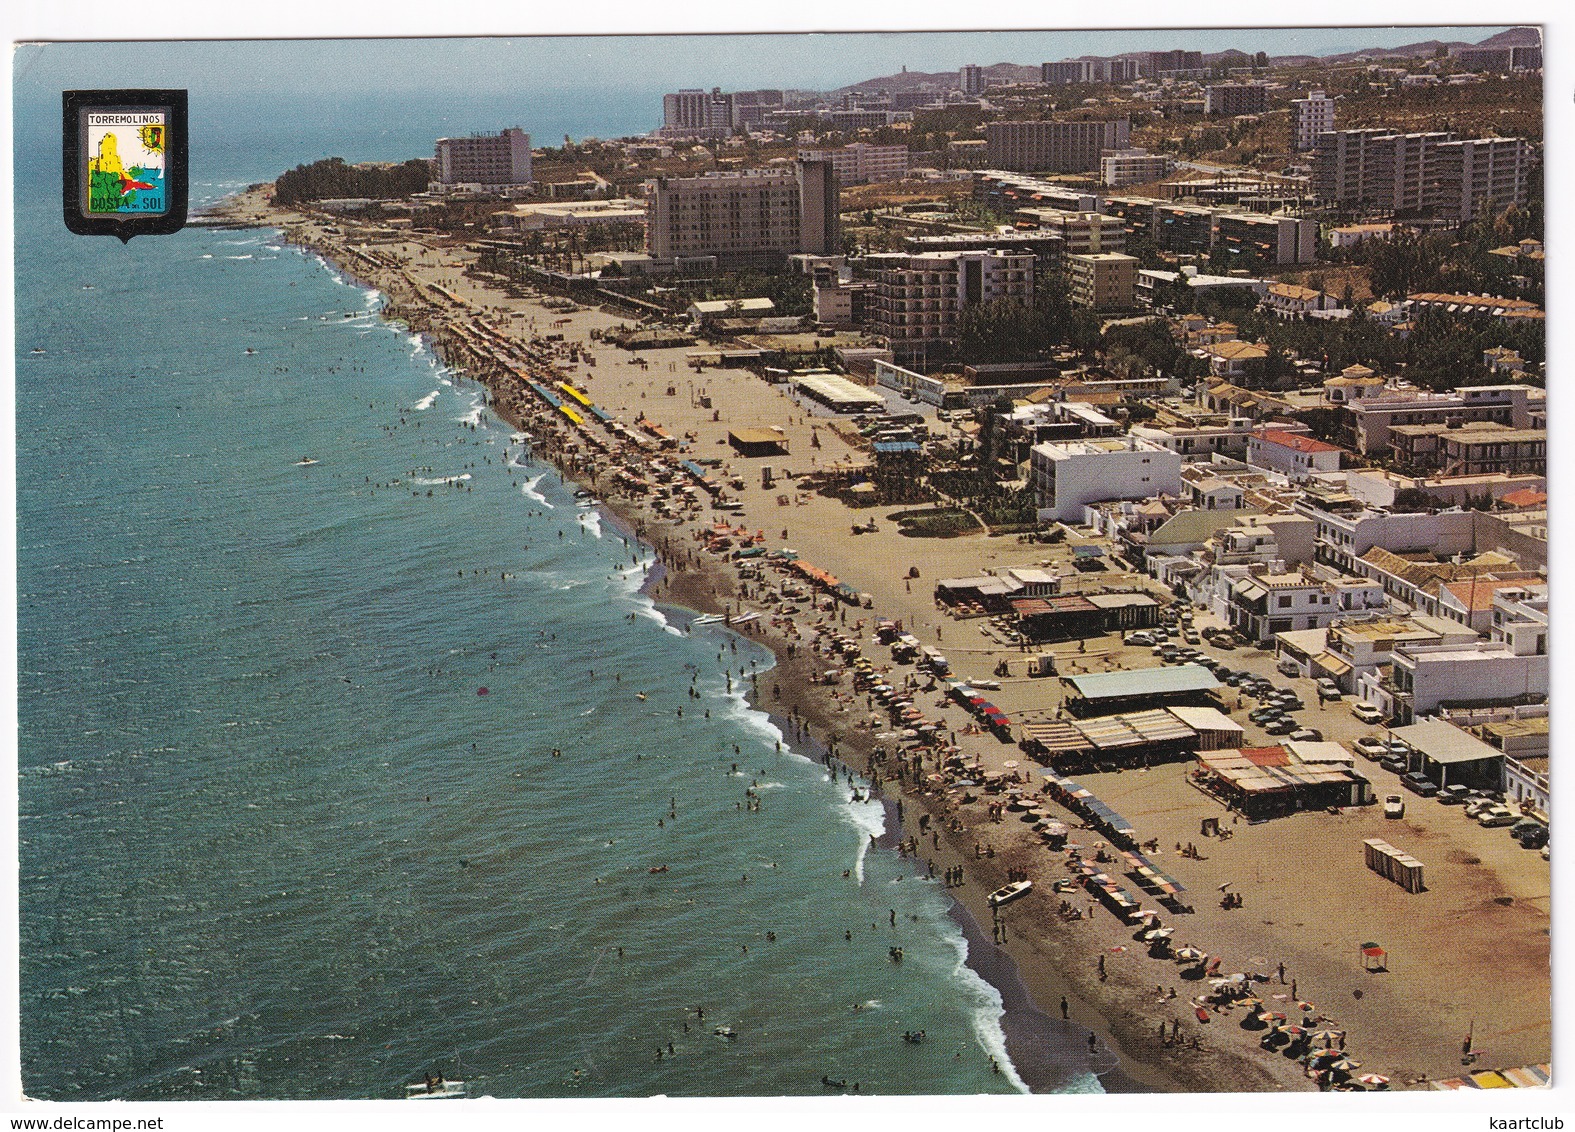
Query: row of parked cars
[[1486, 807]]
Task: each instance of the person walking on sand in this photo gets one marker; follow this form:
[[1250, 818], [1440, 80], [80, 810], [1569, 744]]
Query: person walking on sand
[[1093, 1042], [1065, 1009], [1282, 974]]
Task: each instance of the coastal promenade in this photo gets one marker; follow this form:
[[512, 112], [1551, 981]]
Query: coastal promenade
[[1471, 952]]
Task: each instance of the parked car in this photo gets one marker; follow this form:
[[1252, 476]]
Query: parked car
[[1265, 715], [1531, 833], [1287, 667], [1307, 735], [1497, 815], [1328, 689], [1394, 806], [1282, 726], [1290, 703], [1418, 783], [1395, 764], [1139, 637], [1371, 747], [1191, 636], [1367, 713], [1454, 795], [1477, 806]]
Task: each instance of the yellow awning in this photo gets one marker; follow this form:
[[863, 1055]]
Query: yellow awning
[[571, 414], [1331, 664]]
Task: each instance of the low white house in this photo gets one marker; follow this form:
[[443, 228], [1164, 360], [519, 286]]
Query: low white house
[[1295, 456]]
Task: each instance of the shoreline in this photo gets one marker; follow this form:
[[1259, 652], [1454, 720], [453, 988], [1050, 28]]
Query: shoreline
[[692, 581], [1043, 959]]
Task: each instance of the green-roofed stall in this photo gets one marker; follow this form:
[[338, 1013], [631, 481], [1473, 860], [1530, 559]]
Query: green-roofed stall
[[1104, 693]]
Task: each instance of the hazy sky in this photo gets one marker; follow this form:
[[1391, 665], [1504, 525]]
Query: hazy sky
[[809, 61]]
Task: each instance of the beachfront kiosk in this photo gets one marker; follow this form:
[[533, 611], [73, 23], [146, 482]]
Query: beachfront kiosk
[[1106, 693]]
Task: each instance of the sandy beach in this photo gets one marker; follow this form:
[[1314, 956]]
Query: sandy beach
[[1471, 953]]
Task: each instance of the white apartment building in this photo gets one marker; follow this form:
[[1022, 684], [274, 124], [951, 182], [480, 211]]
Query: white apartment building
[[1133, 167], [1310, 117], [1448, 177], [747, 217], [1208, 436], [489, 160], [1423, 679], [1350, 649], [919, 298], [1264, 603], [1370, 417], [860, 163], [1068, 477], [1264, 539], [1520, 618], [1348, 531]]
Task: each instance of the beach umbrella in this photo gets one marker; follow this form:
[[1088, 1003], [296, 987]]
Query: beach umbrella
[[1325, 1037], [1191, 955], [1306, 1007], [1376, 1080], [1011, 764], [1274, 1016]]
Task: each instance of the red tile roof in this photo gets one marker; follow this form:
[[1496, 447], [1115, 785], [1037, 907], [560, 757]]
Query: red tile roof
[[1298, 443], [1525, 497]]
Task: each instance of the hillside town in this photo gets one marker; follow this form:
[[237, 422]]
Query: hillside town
[[1152, 448]]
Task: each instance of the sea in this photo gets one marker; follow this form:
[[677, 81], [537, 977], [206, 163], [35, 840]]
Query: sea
[[350, 749]]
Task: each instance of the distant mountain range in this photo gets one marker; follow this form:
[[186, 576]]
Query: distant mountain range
[[1028, 73]]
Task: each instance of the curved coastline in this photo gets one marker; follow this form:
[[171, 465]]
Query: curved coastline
[[698, 583]]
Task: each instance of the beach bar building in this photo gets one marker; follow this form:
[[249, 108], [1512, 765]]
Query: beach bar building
[[758, 441], [1132, 739], [1062, 617], [1270, 782], [1107, 693]]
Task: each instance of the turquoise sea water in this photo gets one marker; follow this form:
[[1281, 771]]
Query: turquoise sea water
[[276, 841]]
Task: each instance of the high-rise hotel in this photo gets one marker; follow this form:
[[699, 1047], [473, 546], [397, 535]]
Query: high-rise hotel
[[746, 218], [492, 160]]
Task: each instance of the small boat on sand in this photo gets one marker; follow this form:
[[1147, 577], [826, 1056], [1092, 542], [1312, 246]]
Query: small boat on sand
[[707, 619], [745, 618], [1007, 893], [434, 1089]]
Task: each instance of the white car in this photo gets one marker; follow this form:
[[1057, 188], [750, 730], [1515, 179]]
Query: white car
[[1497, 815], [1371, 747], [1394, 806], [1141, 637], [1367, 713]]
